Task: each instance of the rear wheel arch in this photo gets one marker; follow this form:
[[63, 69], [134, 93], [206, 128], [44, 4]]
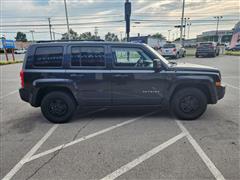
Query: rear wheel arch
[[42, 92]]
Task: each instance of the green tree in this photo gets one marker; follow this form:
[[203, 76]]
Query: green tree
[[88, 36], [73, 35], [111, 37], [158, 35], [21, 37]]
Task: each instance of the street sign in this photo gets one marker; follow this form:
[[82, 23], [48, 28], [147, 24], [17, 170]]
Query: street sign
[[7, 44]]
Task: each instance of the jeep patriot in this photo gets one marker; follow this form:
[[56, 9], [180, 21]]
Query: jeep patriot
[[60, 76]]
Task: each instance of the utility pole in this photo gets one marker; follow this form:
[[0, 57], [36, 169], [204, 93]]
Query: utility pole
[[169, 31], [50, 27], [96, 32], [218, 20], [181, 28], [128, 9], [66, 12], [32, 31]]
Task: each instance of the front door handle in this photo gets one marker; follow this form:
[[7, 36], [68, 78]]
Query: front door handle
[[76, 75]]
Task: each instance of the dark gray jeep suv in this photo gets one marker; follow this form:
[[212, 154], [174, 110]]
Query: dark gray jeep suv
[[59, 76]]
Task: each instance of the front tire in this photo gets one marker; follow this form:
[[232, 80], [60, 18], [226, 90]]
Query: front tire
[[58, 107], [188, 104]]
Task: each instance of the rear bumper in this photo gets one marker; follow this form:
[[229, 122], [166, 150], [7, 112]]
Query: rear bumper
[[206, 53], [169, 55], [24, 94], [221, 92], [28, 96]]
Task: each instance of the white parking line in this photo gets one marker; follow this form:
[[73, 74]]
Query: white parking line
[[231, 86], [25, 159], [142, 158], [19, 165], [217, 174], [11, 93], [86, 137]]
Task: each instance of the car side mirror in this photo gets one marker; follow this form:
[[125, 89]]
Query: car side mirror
[[157, 65]]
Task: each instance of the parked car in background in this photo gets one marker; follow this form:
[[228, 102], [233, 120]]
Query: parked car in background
[[236, 48], [206, 49], [20, 51], [173, 50]]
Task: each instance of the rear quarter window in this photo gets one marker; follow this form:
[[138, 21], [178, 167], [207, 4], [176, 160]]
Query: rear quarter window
[[48, 56]]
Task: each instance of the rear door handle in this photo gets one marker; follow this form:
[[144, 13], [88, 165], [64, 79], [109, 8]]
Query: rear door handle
[[120, 75]]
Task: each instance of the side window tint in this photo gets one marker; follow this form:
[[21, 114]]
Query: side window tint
[[88, 56], [131, 57], [48, 57]]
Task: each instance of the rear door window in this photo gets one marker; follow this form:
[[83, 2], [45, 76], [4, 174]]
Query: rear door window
[[48, 56], [88, 56]]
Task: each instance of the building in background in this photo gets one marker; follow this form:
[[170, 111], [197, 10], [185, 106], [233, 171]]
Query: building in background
[[155, 43], [236, 35], [224, 36]]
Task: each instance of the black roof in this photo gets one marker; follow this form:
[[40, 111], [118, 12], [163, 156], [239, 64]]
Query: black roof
[[52, 43]]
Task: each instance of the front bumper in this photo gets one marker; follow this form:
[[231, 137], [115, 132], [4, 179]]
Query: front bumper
[[221, 92]]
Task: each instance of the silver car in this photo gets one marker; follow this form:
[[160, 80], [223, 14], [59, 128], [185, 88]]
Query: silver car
[[173, 50]]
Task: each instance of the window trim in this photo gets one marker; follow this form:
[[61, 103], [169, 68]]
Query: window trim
[[87, 67], [130, 68], [48, 67]]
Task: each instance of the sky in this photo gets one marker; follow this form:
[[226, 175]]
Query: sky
[[148, 16]]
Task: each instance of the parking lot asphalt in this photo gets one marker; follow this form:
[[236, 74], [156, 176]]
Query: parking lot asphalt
[[126, 143], [18, 57]]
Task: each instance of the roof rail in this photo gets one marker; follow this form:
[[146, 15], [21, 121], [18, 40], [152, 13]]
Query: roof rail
[[52, 41]]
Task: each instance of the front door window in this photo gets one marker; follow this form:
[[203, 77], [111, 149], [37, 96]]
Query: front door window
[[133, 58]]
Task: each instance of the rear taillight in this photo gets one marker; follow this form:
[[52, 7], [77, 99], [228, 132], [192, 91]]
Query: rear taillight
[[22, 78], [174, 49]]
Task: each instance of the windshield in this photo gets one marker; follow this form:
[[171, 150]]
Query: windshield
[[169, 46], [158, 55]]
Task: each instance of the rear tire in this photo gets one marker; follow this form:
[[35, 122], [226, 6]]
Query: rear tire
[[177, 56], [188, 104], [214, 55], [58, 107]]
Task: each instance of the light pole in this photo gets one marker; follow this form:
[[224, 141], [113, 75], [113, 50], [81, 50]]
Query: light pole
[[185, 26], [128, 9], [53, 33], [32, 31], [181, 28], [189, 25], [169, 31], [66, 12], [218, 18]]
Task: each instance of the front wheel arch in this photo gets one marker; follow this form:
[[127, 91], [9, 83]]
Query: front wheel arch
[[202, 87]]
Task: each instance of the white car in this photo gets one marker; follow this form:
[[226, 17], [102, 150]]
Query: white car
[[20, 51], [173, 50]]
